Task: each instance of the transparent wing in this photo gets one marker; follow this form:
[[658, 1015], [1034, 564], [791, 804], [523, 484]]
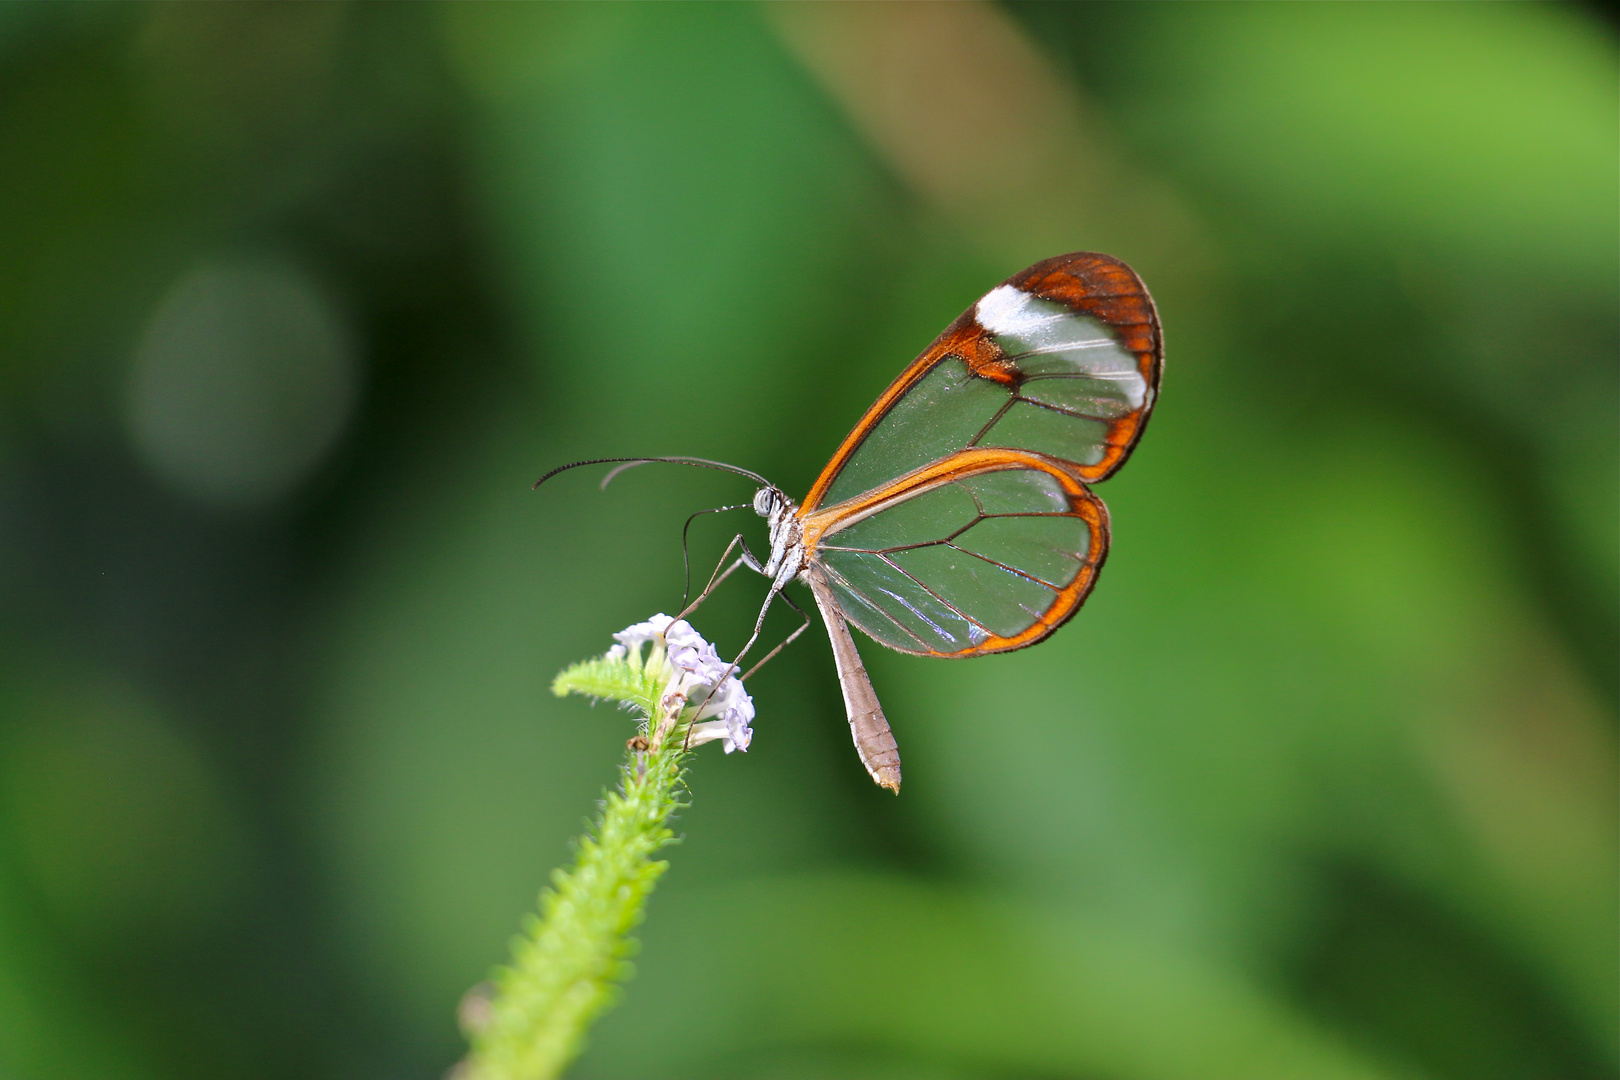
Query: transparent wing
[[1062, 359], [985, 551]]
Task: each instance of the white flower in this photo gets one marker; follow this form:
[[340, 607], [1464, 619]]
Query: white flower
[[697, 674], [634, 637], [690, 653], [735, 710]]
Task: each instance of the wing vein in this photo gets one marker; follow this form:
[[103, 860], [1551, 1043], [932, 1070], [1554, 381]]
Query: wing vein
[[1066, 412], [1009, 569], [974, 495], [921, 585], [1012, 398], [1100, 376], [1048, 350], [869, 602]]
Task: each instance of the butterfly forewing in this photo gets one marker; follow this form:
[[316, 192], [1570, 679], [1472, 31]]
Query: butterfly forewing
[[955, 519], [1062, 359], [985, 551], [940, 414]]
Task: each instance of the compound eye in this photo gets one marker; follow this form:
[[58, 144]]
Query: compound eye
[[762, 502]]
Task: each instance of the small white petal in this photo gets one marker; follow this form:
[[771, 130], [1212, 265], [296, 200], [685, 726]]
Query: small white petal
[[719, 730], [643, 632]]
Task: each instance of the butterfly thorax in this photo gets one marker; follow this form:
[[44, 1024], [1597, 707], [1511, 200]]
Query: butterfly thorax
[[787, 535]]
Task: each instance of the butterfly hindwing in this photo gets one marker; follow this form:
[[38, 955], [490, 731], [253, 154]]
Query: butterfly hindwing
[[983, 551]]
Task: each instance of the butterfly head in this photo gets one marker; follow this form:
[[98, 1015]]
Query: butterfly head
[[770, 502]]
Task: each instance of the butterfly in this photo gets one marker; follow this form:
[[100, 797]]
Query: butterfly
[[957, 518]]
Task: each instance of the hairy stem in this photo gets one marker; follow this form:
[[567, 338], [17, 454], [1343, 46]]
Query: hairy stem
[[530, 1023]]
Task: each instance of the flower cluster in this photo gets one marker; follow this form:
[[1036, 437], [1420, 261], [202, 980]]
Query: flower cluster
[[698, 679]]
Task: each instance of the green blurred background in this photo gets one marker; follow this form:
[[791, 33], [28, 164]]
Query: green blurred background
[[296, 300]]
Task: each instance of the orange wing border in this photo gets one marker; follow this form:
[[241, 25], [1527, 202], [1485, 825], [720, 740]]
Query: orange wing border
[[1088, 283], [1083, 503]]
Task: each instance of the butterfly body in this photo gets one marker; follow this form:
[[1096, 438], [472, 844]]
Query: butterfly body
[[788, 553]]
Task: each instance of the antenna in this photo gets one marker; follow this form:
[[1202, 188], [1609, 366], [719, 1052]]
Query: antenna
[[631, 462]]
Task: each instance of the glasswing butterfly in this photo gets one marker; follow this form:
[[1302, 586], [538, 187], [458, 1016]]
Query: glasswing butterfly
[[956, 519]]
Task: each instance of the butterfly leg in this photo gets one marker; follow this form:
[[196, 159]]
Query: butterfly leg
[[686, 559], [759, 624], [745, 559], [786, 641]]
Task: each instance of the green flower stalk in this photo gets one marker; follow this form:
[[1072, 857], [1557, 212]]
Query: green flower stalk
[[530, 1021]]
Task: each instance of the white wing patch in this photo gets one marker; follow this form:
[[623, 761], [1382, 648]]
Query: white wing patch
[[1027, 327], [1007, 309]]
